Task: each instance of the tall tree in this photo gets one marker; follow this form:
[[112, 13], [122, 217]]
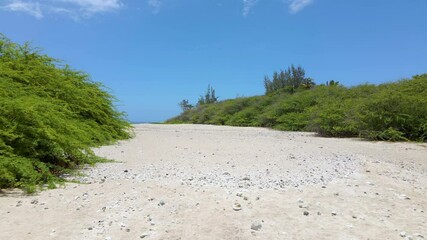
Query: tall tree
[[185, 105], [290, 79], [209, 97]]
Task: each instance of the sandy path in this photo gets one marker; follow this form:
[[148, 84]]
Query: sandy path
[[182, 181]]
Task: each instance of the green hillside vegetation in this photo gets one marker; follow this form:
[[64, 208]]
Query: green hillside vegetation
[[50, 117], [392, 112]]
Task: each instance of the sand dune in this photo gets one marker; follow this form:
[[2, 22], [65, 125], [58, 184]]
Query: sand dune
[[213, 182]]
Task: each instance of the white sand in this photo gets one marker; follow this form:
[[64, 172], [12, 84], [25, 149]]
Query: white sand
[[351, 189]]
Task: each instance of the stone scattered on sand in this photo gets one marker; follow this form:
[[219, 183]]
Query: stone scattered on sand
[[403, 234], [144, 235], [334, 213], [418, 235], [161, 203], [237, 207], [256, 226], [306, 213]]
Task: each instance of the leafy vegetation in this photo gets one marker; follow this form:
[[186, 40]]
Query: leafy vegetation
[[392, 112], [289, 80], [185, 105], [209, 97], [50, 117]]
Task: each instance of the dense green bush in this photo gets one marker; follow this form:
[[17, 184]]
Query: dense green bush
[[393, 111], [50, 117]]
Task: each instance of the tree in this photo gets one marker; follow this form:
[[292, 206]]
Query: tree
[[289, 79], [308, 83], [209, 97], [185, 105], [332, 83]]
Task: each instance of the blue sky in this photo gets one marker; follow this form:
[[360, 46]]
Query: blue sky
[[154, 53]]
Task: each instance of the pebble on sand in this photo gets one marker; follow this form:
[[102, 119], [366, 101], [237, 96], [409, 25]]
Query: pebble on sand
[[237, 207], [256, 226]]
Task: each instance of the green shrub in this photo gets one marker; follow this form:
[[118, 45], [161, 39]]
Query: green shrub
[[391, 112], [50, 117]]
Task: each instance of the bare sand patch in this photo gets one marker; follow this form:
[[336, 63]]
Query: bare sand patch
[[182, 182]]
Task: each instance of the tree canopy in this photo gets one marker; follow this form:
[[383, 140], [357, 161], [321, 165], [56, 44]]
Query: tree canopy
[[290, 79]]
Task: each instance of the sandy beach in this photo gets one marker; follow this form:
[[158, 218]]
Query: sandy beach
[[217, 182]]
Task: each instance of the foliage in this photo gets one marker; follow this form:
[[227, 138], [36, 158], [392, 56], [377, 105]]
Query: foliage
[[185, 105], [50, 117], [289, 79], [391, 112], [209, 97]]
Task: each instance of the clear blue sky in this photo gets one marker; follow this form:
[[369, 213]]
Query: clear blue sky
[[154, 53]]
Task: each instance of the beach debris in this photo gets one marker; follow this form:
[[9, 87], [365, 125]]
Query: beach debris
[[246, 178], [237, 207], [256, 226], [144, 235], [403, 196]]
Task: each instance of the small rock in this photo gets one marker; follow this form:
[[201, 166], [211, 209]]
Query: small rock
[[418, 235], [403, 234], [256, 226], [90, 228], [306, 213], [334, 213], [34, 201], [246, 178], [245, 198], [237, 207], [161, 203], [144, 235]]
